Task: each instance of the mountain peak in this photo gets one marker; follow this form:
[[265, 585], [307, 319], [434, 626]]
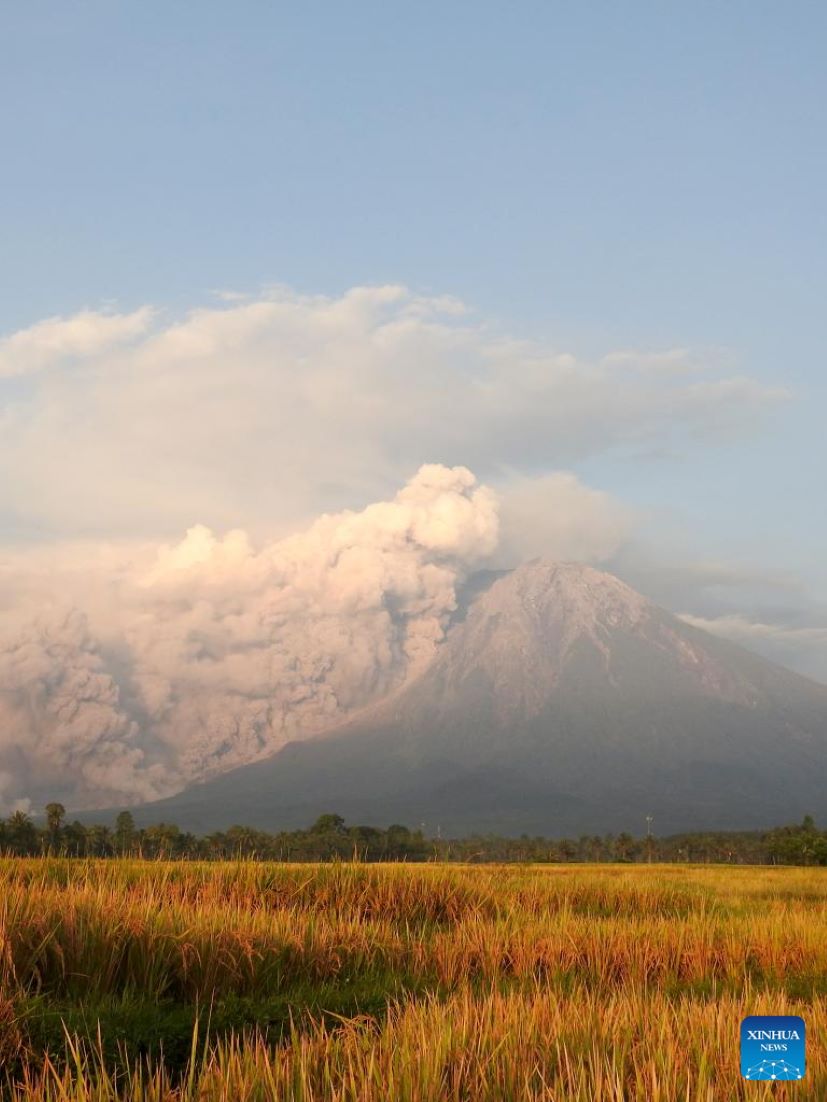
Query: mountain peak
[[523, 627], [567, 588]]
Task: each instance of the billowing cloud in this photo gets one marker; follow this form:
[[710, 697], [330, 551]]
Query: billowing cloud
[[556, 516], [204, 654], [262, 413], [56, 341], [61, 715]]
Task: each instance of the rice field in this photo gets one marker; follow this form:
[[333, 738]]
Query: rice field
[[157, 981]]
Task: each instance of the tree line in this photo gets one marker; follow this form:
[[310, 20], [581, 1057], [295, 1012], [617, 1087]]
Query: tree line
[[330, 838]]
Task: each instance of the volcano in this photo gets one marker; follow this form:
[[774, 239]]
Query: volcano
[[561, 702]]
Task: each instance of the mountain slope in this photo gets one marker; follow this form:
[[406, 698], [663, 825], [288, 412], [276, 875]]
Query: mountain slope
[[563, 702]]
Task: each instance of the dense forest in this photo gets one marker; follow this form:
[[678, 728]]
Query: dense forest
[[330, 838]]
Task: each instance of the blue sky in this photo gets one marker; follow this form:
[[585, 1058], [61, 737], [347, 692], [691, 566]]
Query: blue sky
[[592, 178]]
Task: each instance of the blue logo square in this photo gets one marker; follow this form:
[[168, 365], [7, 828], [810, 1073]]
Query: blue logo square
[[772, 1047]]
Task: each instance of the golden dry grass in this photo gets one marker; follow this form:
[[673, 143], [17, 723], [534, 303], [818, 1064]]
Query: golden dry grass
[[502, 983]]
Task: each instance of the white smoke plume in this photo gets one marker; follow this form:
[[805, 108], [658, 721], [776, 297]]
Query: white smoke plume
[[209, 653]]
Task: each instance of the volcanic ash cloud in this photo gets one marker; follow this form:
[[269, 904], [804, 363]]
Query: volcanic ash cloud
[[209, 653]]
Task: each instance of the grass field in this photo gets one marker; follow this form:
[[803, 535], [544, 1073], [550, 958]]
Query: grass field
[[123, 979]]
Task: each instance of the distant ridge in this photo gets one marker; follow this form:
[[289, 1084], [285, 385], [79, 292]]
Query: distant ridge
[[562, 702]]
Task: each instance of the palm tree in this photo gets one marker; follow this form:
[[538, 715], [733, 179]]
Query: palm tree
[[55, 814], [22, 833], [125, 832]]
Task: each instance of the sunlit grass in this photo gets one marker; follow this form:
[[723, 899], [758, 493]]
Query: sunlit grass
[[410, 982]]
